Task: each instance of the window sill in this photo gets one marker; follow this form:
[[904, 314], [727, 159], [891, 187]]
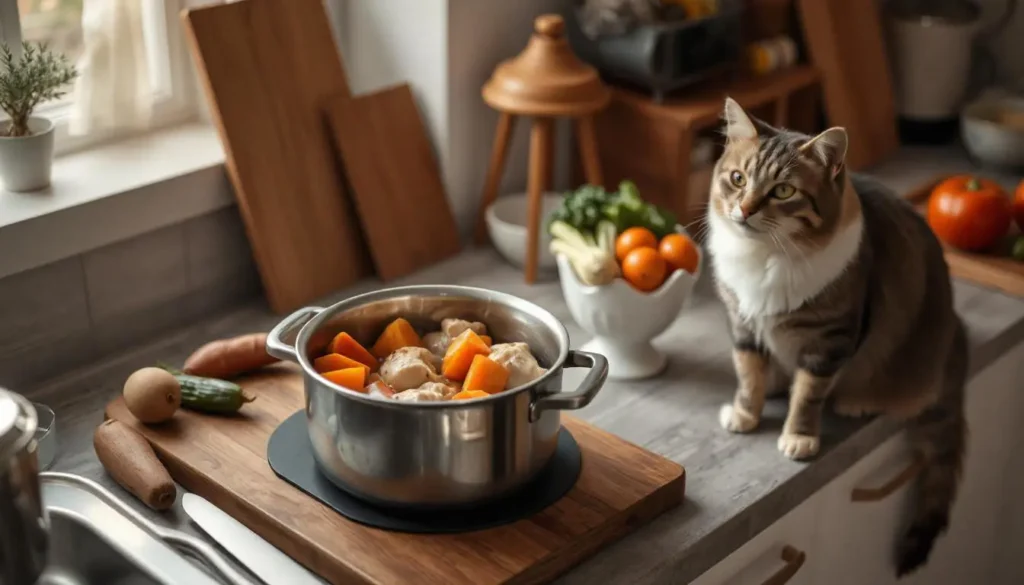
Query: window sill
[[112, 192]]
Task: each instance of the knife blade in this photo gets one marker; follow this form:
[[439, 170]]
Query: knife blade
[[259, 556]]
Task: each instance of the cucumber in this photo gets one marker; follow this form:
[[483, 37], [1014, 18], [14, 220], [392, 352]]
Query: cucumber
[[210, 394]]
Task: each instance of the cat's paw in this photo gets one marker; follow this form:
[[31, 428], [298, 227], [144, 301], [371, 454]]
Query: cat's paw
[[736, 421], [798, 446]]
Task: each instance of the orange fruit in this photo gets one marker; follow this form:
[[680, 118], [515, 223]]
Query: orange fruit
[[633, 238], [680, 252], [644, 268]]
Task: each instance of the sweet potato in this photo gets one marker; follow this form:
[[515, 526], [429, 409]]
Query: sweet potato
[[485, 374], [351, 378], [487, 339], [344, 344], [398, 334], [226, 358], [336, 361], [459, 356], [467, 394]]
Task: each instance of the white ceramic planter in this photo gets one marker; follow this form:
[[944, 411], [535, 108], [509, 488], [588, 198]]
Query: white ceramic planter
[[26, 161], [623, 320]]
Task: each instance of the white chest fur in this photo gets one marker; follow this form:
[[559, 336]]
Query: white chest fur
[[768, 280]]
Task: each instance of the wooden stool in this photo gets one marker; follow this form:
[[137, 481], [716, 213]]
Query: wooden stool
[[546, 81]]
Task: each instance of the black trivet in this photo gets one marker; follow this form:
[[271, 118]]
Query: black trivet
[[291, 457]]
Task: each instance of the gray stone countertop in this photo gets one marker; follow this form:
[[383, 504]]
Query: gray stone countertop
[[736, 485]]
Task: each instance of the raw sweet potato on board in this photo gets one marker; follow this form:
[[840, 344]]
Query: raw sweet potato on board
[[226, 358]]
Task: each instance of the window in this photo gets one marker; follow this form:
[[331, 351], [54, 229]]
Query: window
[[58, 23]]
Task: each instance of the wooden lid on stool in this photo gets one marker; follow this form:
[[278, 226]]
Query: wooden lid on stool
[[546, 79]]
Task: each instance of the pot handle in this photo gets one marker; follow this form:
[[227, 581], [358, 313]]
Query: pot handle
[[288, 329], [582, 396]]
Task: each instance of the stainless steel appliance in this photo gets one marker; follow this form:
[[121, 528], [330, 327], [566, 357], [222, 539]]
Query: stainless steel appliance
[[24, 523], [435, 453]]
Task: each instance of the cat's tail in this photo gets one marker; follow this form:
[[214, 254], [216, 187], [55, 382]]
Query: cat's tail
[[939, 434]]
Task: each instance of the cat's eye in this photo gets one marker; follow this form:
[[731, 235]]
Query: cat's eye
[[737, 179], [783, 191]]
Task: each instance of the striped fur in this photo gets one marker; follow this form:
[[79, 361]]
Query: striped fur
[[837, 286]]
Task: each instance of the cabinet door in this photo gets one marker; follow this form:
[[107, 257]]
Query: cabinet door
[[967, 552], [785, 550], [863, 513]]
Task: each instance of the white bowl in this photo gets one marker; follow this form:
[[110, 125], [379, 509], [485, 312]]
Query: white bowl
[[506, 224], [623, 321]]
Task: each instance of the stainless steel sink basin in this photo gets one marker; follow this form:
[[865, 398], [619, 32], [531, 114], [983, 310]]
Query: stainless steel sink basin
[[95, 539]]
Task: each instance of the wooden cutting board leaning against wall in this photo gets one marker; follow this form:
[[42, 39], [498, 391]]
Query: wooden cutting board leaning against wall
[[267, 67], [847, 45], [394, 179], [224, 459]]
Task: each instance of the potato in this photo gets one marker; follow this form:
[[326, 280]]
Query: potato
[[152, 395]]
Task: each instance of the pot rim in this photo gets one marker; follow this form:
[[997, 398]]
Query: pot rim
[[307, 331]]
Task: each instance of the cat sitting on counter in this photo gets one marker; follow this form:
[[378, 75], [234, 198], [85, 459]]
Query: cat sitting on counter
[[836, 288]]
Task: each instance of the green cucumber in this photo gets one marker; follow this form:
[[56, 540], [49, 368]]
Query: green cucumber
[[210, 394]]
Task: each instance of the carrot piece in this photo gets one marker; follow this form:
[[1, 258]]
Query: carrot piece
[[487, 339], [344, 344], [485, 374], [467, 394], [351, 378], [226, 358], [336, 361], [398, 334], [459, 356]]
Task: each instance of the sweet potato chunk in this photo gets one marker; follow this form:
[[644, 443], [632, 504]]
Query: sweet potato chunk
[[336, 361], [459, 356], [485, 374], [467, 394], [351, 378], [344, 344], [398, 334]]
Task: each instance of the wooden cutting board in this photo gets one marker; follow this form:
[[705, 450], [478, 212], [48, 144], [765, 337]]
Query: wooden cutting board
[[267, 68], [998, 271], [394, 180], [846, 44], [223, 459]]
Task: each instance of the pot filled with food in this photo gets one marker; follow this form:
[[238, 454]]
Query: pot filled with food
[[436, 395]]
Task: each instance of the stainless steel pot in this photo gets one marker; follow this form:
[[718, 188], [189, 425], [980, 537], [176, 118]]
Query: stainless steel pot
[[435, 453], [23, 521]]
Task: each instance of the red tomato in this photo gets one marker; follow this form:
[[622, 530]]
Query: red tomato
[[1018, 205], [969, 213]]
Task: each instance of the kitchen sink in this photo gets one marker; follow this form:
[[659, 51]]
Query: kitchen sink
[[96, 539]]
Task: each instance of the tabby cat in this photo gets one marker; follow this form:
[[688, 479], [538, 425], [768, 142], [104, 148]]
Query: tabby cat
[[835, 287]]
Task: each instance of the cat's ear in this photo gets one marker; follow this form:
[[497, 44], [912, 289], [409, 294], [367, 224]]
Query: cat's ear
[[738, 125], [829, 148]]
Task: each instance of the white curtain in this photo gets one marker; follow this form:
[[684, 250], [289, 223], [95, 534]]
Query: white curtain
[[114, 91]]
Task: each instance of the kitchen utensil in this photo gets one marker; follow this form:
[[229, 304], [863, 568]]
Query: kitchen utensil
[[23, 521], [545, 81], [992, 128], [623, 320], [268, 68], [506, 226], [845, 43], [435, 453], [394, 179], [265, 561], [73, 492], [999, 272], [46, 435], [620, 488]]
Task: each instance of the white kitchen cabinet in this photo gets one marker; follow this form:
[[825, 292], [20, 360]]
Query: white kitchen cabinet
[[763, 556]]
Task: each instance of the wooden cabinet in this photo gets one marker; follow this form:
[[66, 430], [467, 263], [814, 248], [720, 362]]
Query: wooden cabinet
[[787, 547], [851, 540]]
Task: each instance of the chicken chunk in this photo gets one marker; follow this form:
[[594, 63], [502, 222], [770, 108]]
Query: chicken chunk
[[521, 365], [453, 327], [437, 342], [429, 392], [408, 367]]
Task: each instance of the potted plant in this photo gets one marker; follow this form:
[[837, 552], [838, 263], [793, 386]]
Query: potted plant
[[35, 76]]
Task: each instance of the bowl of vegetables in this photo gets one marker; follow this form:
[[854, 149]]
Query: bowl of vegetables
[[626, 269]]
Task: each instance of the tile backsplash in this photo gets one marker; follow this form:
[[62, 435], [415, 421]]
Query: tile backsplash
[[69, 313]]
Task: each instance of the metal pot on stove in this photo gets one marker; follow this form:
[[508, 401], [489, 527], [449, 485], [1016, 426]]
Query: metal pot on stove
[[448, 453]]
